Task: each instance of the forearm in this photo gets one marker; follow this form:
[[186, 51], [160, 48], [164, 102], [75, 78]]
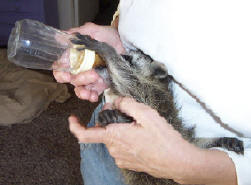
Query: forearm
[[209, 167]]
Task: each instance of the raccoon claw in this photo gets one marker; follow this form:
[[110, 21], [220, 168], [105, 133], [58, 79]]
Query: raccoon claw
[[79, 36], [85, 40], [76, 41], [234, 144], [113, 116]]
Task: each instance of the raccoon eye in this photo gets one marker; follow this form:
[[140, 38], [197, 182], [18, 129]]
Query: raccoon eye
[[128, 58]]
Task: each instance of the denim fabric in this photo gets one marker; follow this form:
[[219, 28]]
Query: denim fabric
[[97, 166]]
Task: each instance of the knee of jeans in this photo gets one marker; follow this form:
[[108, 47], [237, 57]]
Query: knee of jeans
[[84, 146], [91, 146], [93, 149]]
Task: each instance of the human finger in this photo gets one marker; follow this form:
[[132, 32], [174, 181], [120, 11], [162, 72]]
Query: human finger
[[62, 77], [82, 93], [86, 94], [84, 78], [98, 86], [86, 135], [93, 96], [87, 29], [61, 67], [73, 30]]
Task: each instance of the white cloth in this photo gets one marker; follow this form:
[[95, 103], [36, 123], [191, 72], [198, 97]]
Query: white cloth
[[206, 46]]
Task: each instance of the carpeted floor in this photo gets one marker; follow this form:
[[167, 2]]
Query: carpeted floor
[[44, 152]]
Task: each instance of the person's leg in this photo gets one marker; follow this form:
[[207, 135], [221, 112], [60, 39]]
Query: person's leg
[[97, 166]]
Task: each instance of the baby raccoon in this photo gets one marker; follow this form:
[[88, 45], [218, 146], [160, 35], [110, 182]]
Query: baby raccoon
[[136, 75]]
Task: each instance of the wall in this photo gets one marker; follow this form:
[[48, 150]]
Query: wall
[[86, 10], [66, 14], [74, 13]]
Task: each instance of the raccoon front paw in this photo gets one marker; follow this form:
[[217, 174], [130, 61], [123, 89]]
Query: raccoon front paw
[[85, 41], [229, 143], [113, 116]]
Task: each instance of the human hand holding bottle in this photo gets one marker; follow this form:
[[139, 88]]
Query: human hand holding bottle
[[89, 85]]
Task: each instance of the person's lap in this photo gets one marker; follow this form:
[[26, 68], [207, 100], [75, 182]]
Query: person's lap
[[97, 166]]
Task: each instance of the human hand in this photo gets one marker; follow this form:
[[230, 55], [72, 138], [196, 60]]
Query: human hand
[[89, 85], [107, 34], [148, 145]]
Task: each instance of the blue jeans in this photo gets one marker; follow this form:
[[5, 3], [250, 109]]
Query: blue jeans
[[97, 166]]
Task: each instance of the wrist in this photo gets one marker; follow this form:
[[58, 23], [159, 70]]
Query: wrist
[[208, 167], [179, 158], [189, 165]]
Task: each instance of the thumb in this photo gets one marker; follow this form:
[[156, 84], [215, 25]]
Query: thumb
[[73, 30], [86, 135], [88, 28]]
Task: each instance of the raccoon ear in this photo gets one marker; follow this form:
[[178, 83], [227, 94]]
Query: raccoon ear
[[158, 70]]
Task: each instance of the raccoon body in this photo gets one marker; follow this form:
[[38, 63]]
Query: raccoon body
[[138, 76]]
